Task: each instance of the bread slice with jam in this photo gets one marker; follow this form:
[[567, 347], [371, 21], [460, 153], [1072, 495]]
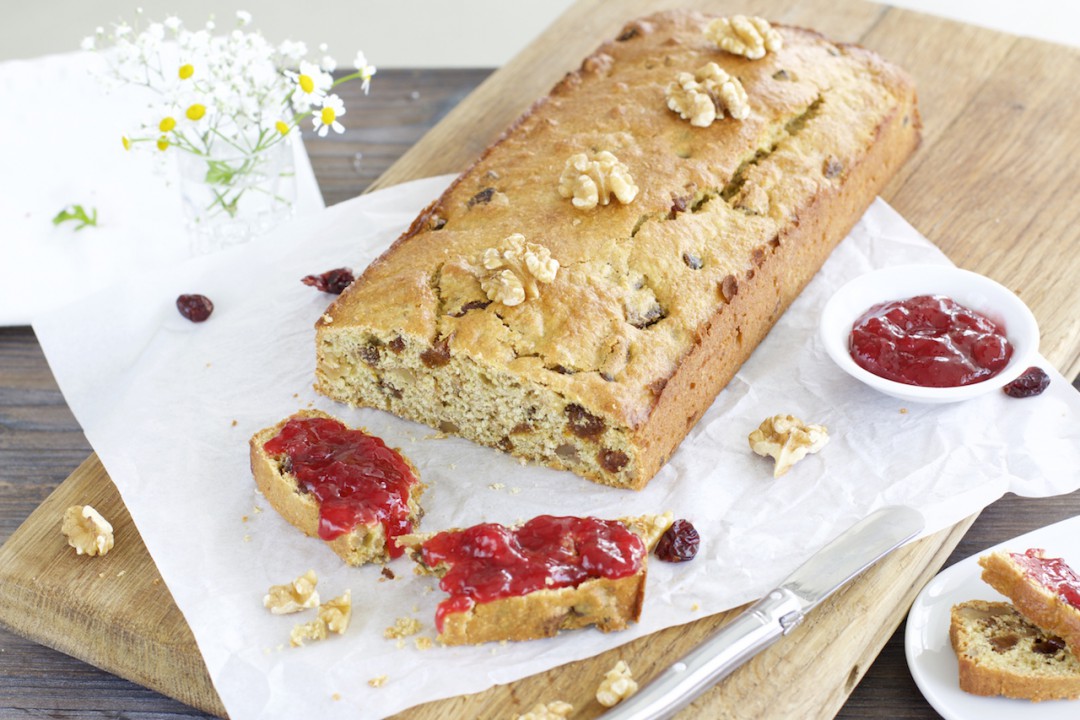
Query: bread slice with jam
[[532, 580], [338, 484], [1045, 590]]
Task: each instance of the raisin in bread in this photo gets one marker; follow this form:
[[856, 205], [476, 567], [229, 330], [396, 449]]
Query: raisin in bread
[[1045, 590], [1001, 653], [527, 582], [359, 504], [593, 338]]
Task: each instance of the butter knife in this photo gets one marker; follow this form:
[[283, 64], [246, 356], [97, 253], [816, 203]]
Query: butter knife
[[774, 616]]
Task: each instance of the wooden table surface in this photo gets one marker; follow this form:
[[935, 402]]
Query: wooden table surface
[[41, 442]]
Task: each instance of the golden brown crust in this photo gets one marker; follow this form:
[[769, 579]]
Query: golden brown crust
[[1001, 653], [1032, 600], [657, 302], [366, 543], [608, 604]]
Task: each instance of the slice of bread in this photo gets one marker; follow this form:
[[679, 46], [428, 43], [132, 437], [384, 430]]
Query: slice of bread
[[1001, 653], [366, 542], [1019, 577], [609, 604]]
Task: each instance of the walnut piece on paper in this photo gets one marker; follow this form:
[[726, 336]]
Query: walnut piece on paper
[[788, 440], [557, 710], [87, 531], [515, 268], [292, 597], [750, 37], [706, 95], [314, 630], [337, 613], [617, 685], [592, 181]]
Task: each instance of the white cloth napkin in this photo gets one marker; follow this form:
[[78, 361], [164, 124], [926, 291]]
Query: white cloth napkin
[[169, 407], [60, 143]]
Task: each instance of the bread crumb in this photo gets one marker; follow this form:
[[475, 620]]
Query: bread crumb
[[903, 411], [247, 538], [122, 573], [256, 509], [101, 575], [617, 685], [335, 696], [377, 682], [496, 486], [399, 644], [557, 710], [87, 531], [292, 597], [423, 643], [234, 424], [403, 627], [157, 581], [243, 518], [515, 490]]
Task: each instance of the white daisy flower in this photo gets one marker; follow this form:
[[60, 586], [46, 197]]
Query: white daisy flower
[[366, 71], [328, 64], [325, 119], [172, 22], [243, 17]]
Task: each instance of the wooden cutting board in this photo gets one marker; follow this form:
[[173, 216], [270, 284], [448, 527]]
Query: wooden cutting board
[[999, 144]]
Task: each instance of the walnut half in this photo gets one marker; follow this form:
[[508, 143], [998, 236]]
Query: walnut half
[[515, 268], [750, 37], [292, 597], [706, 95], [557, 710], [592, 181], [618, 684], [87, 531], [787, 439]]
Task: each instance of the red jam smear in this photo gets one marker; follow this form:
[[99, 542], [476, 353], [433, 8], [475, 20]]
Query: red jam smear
[[1052, 573], [491, 561], [355, 477], [929, 341]]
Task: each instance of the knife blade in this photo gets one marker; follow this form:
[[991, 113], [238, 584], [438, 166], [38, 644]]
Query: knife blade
[[774, 616]]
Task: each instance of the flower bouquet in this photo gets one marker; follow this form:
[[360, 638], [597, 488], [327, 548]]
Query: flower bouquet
[[228, 105]]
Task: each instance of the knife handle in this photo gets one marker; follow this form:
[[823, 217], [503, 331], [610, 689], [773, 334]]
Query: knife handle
[[762, 624]]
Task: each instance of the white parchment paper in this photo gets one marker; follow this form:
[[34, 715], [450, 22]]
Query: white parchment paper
[[169, 407]]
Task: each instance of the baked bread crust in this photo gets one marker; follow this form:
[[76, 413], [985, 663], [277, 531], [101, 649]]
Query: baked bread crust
[[608, 604], [364, 544], [1033, 600], [1001, 653], [658, 302]]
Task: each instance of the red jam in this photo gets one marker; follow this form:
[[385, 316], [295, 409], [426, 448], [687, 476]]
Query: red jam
[[930, 341], [491, 561], [355, 477], [1051, 573]]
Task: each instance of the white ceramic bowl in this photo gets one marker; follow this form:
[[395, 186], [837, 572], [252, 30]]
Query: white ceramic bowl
[[898, 283]]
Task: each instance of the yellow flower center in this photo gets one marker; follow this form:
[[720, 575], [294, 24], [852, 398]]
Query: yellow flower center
[[167, 124], [196, 111], [306, 83], [186, 71], [127, 143], [282, 127], [162, 143], [328, 115]]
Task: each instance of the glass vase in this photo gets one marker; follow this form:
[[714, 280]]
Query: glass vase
[[231, 198]]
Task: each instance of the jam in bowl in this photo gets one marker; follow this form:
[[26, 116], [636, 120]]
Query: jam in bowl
[[929, 333]]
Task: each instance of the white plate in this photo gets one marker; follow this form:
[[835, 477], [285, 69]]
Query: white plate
[[930, 655]]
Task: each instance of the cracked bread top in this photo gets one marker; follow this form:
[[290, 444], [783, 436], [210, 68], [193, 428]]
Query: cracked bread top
[[637, 281]]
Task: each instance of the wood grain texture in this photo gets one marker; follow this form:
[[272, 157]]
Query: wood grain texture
[[984, 186]]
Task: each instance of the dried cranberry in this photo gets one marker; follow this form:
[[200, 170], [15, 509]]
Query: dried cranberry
[[1032, 382], [679, 543], [332, 281], [195, 308]]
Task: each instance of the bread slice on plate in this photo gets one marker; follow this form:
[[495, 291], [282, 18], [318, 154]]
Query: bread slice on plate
[[1044, 590], [1001, 653], [533, 580], [341, 485]]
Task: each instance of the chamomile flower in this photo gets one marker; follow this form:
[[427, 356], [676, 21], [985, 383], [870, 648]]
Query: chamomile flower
[[328, 64], [366, 70], [326, 118], [243, 17], [88, 42]]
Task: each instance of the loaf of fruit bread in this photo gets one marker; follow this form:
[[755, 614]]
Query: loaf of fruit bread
[[341, 485], [1002, 653], [533, 580], [580, 295], [1044, 589]]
